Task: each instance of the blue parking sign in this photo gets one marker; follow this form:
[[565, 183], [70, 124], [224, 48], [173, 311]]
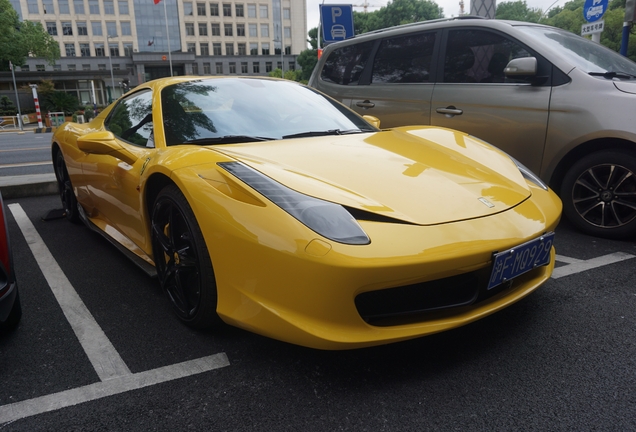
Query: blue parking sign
[[593, 10], [336, 22]]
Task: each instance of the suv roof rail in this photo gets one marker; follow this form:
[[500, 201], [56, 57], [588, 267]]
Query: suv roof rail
[[463, 17]]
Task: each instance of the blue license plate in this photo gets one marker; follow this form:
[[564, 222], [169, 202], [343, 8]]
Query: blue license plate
[[520, 259]]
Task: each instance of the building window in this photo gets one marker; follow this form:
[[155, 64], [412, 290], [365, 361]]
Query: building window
[[115, 66], [286, 13], [125, 28], [114, 50], [70, 49], [227, 9], [244, 67], [240, 11], [228, 29], [287, 32], [99, 50], [256, 67], [57, 68], [292, 65], [82, 29], [191, 47], [229, 48], [93, 7], [218, 67], [288, 50], [33, 8], [128, 49], [240, 29], [265, 48], [232, 67], [268, 67], [67, 28], [40, 68], [279, 65], [216, 29], [241, 49], [78, 5], [97, 28], [189, 28], [47, 7], [253, 30], [63, 7], [101, 67], [86, 67], [187, 8], [216, 48], [201, 9], [51, 28], [24, 68], [206, 69], [109, 7], [85, 50], [195, 69], [265, 30], [251, 11], [111, 28], [214, 9], [263, 9], [203, 29], [130, 68], [205, 48], [253, 48], [123, 7], [71, 67]]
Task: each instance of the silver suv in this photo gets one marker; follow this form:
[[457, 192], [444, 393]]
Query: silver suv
[[562, 105]]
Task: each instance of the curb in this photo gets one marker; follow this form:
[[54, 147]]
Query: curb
[[28, 186]]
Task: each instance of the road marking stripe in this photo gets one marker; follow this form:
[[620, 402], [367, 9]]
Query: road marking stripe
[[580, 265], [22, 149], [100, 351], [67, 398], [25, 164], [567, 260]]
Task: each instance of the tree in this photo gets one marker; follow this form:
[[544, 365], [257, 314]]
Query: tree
[[21, 39], [307, 61], [396, 12], [518, 11]]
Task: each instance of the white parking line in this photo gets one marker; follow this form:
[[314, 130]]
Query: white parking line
[[114, 375], [577, 266]]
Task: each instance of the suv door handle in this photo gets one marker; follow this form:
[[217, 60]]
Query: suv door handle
[[450, 111], [365, 104]]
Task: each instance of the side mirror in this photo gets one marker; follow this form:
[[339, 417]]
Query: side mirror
[[374, 121], [521, 67], [104, 143]]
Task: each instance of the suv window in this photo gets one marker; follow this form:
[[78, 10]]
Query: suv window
[[479, 56], [345, 65], [404, 59], [131, 119]]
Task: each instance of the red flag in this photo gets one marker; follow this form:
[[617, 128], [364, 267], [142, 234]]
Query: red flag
[[157, 1]]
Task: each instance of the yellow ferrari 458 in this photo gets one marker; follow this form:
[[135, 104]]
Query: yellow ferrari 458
[[266, 204]]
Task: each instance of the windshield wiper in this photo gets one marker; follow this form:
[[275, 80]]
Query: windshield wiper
[[611, 74], [228, 139], [324, 133]]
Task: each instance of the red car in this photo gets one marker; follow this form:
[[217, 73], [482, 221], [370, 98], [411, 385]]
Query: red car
[[10, 309]]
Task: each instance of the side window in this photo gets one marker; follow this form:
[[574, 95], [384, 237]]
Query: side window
[[404, 59], [131, 119], [479, 56], [345, 65]]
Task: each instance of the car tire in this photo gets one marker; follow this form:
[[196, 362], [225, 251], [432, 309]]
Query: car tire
[[599, 194], [182, 260], [65, 188], [14, 316]]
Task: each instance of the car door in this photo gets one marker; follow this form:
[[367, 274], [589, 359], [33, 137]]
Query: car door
[[397, 87], [114, 184], [473, 95]]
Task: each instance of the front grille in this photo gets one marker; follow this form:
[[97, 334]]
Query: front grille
[[417, 302]]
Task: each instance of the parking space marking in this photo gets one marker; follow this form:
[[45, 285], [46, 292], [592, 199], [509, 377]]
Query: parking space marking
[[577, 266], [67, 398], [100, 351], [114, 375]]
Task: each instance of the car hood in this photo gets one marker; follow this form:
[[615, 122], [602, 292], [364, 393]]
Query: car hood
[[419, 175], [627, 87]]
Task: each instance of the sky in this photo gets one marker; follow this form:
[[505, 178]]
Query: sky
[[451, 7]]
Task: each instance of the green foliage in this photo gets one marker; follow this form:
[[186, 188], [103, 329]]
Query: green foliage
[[518, 11], [89, 113], [6, 107], [21, 39], [307, 61], [59, 101], [276, 73], [396, 12]]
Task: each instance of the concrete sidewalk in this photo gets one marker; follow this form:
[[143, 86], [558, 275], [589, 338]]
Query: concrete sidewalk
[[28, 185]]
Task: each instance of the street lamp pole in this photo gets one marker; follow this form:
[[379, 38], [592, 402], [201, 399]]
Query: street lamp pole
[[110, 61]]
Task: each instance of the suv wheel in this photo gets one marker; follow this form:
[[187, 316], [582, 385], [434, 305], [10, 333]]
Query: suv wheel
[[599, 194]]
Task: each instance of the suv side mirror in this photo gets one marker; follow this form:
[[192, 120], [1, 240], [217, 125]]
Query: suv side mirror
[[521, 67]]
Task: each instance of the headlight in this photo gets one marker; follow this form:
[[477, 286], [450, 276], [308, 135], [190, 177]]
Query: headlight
[[529, 175], [325, 218]]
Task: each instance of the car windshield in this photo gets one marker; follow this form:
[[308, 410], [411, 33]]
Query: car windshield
[[233, 110], [583, 53]]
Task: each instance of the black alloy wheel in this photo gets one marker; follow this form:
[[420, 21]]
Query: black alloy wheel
[[599, 194], [182, 259], [65, 188]]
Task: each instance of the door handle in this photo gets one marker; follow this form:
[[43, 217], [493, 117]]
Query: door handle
[[450, 111], [366, 104]]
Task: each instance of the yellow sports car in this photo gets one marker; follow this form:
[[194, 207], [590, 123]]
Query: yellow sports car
[[268, 205]]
